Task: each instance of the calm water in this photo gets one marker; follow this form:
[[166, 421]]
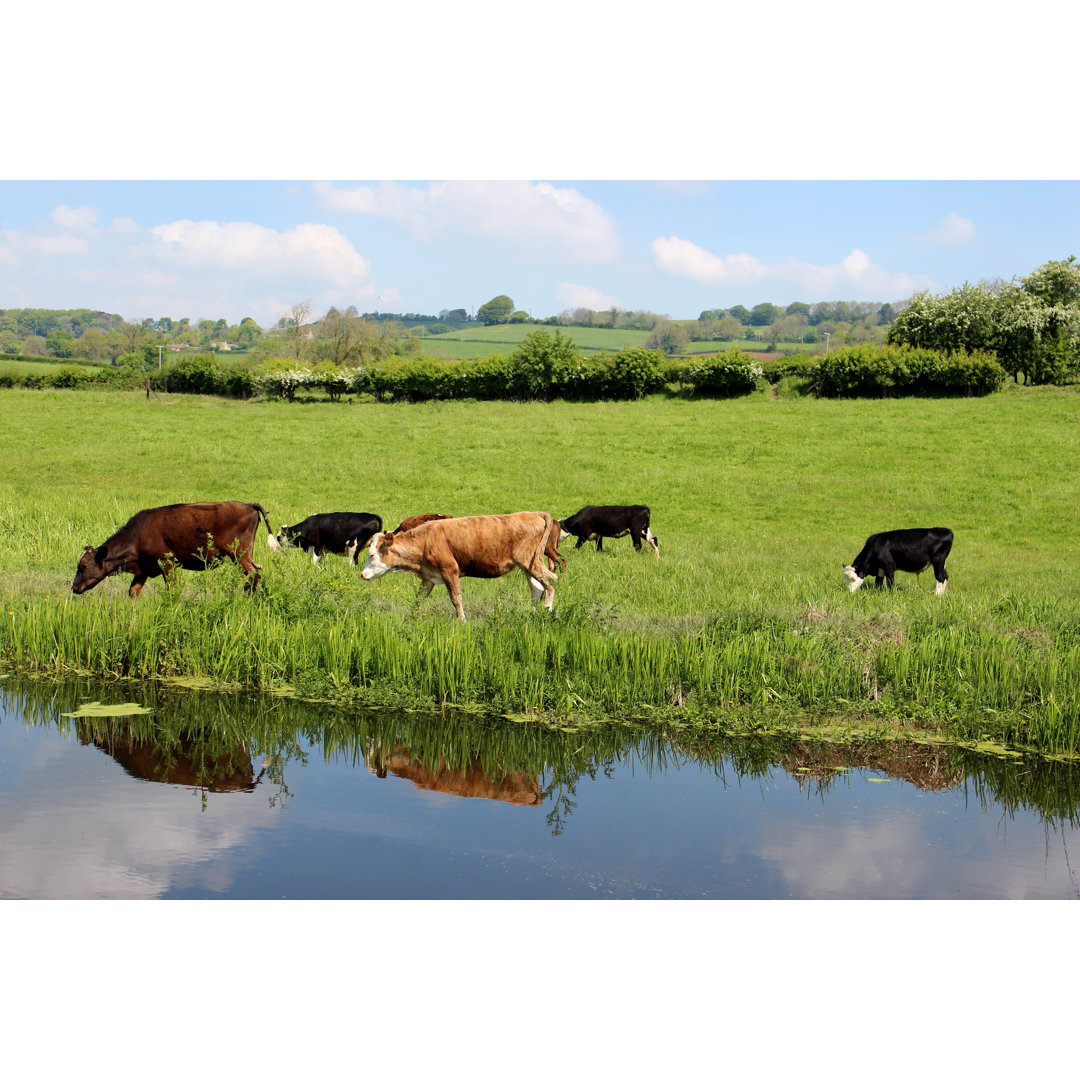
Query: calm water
[[211, 796]]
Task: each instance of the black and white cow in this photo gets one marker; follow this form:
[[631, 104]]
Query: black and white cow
[[911, 550], [596, 522], [340, 534]]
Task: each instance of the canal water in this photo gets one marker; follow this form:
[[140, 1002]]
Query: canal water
[[151, 792]]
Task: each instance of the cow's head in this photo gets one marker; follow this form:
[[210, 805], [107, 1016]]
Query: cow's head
[[852, 578], [286, 537], [379, 551], [92, 569], [563, 534]]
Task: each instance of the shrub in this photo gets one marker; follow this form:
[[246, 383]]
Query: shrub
[[731, 372], [197, 374], [893, 371], [635, 372], [543, 364]]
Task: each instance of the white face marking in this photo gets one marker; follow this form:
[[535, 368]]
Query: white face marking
[[853, 579], [374, 567], [563, 534], [940, 590]]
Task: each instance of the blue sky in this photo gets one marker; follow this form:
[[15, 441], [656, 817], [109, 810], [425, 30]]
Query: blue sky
[[850, 154], [232, 248]]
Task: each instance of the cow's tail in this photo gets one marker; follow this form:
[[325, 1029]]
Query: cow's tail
[[271, 539]]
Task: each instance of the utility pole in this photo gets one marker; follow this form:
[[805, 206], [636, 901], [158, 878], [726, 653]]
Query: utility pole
[[827, 336]]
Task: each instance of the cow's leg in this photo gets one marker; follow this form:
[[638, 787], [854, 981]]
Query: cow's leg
[[453, 587], [314, 556], [599, 543], [425, 590], [580, 541], [137, 582], [652, 540], [942, 577], [250, 570], [350, 551], [635, 538]]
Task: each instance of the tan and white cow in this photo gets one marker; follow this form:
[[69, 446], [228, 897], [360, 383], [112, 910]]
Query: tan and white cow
[[488, 546]]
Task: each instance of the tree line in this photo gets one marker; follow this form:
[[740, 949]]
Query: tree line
[[1031, 323]]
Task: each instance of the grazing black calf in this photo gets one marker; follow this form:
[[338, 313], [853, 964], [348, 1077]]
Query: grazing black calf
[[910, 550], [340, 534], [596, 522]]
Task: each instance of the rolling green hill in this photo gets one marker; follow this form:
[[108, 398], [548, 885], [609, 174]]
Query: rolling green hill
[[481, 340]]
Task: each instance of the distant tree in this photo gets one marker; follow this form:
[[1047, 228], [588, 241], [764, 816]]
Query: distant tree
[[798, 308], [520, 317], [60, 343], [248, 331], [92, 344], [131, 334], [728, 329], [9, 342], [886, 314], [496, 310], [34, 345], [764, 314], [340, 334], [740, 313], [453, 318], [300, 314], [668, 337]]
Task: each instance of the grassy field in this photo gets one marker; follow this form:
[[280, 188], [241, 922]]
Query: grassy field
[[482, 340], [744, 621]]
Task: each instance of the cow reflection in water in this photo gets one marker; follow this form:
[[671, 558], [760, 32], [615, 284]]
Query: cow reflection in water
[[186, 763], [470, 782]]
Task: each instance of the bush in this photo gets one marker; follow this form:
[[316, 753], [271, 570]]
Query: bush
[[635, 372], [894, 371], [199, 374], [731, 372]]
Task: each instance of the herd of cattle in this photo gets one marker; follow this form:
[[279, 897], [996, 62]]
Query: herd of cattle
[[438, 549]]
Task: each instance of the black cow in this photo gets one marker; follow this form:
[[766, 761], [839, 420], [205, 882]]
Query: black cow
[[596, 522], [340, 534], [910, 550], [188, 535]]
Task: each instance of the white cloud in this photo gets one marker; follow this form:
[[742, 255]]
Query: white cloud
[[318, 251], [80, 219], [530, 219], [855, 276], [573, 296], [952, 229]]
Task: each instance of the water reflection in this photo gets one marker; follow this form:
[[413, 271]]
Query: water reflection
[[243, 796], [470, 781], [184, 760]]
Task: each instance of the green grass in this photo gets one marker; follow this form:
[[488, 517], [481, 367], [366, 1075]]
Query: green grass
[[482, 340], [757, 502]]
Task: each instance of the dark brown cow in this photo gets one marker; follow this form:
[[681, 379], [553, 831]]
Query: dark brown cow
[[418, 519], [189, 535], [186, 764], [443, 552]]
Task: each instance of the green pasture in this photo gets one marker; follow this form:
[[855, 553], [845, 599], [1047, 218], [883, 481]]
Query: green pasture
[[476, 341], [744, 620]]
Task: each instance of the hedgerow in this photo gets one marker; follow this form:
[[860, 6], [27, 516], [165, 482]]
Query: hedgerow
[[897, 370]]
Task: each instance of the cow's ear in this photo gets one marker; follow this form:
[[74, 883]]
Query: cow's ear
[[388, 540], [99, 555]]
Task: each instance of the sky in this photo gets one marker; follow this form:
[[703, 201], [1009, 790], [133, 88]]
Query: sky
[[245, 247], [583, 155]]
